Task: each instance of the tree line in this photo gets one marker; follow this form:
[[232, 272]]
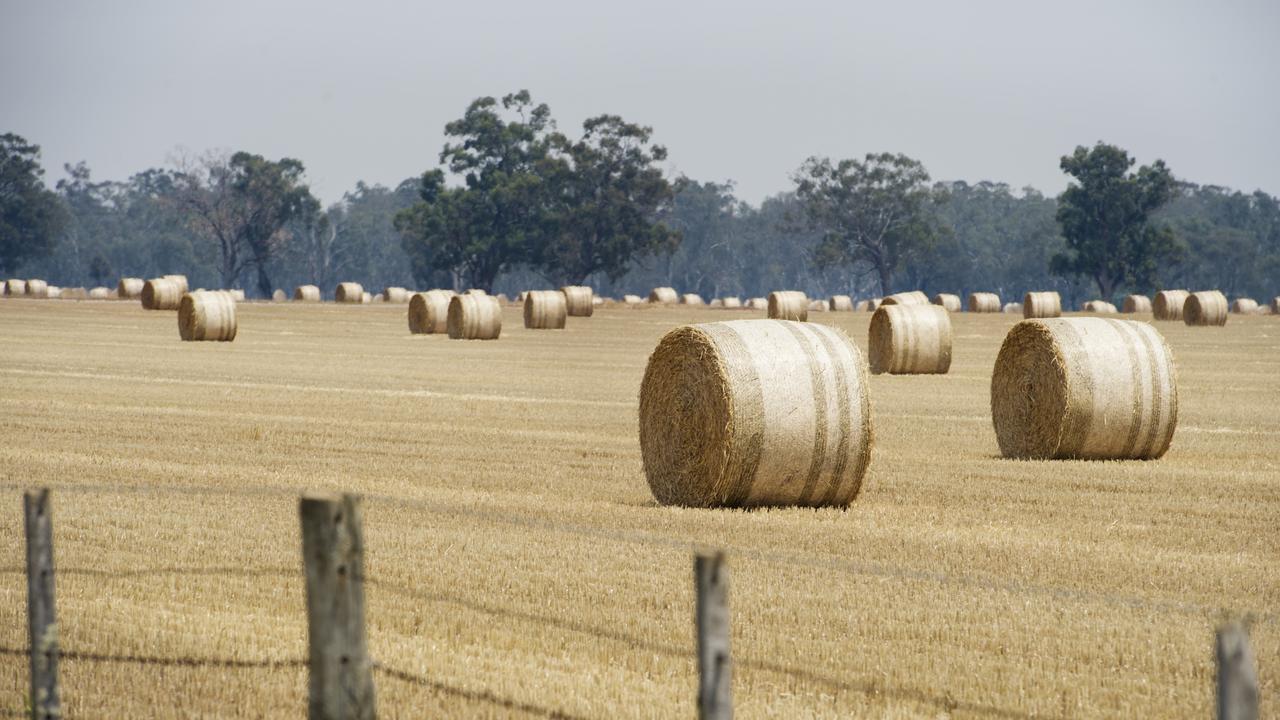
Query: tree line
[[513, 203]]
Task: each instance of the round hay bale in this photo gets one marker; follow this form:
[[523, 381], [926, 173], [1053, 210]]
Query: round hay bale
[[545, 310], [1089, 388], [632, 299], [716, 303], [664, 296], [15, 288], [1169, 304], [948, 301], [1239, 306], [429, 312], [129, 288], [365, 298], [817, 306], [691, 299], [180, 281], [306, 293], [1012, 308], [476, 291], [100, 293], [731, 303], [376, 298], [861, 305], [1136, 304], [755, 412], [1101, 307], [395, 295], [914, 297], [237, 295], [1042, 305], [160, 294], [279, 296], [578, 298], [76, 293], [758, 303], [596, 301], [40, 289], [984, 302], [910, 340], [54, 292], [474, 317], [1203, 309], [502, 298], [840, 303], [207, 315], [1275, 305], [348, 292], [788, 305]]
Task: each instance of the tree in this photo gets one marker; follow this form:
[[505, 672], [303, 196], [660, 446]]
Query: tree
[[31, 216], [1105, 217], [873, 210]]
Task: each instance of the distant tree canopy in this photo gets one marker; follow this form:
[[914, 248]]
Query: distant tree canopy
[[30, 215]]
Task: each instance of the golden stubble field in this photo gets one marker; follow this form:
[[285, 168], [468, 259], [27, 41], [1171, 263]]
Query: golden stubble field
[[519, 564]]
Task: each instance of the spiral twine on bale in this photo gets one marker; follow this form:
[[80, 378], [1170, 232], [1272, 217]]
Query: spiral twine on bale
[[207, 315], [578, 298], [545, 310], [840, 303], [348, 292], [948, 301], [160, 294], [1205, 309], [306, 293], [910, 340], [429, 312], [1042, 305], [1169, 304], [914, 297], [984, 302], [788, 305], [474, 317], [1136, 304], [730, 412], [1089, 388]]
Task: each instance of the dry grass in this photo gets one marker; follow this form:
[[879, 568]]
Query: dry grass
[[506, 493]]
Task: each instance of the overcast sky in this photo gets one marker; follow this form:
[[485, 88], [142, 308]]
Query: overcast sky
[[738, 91]]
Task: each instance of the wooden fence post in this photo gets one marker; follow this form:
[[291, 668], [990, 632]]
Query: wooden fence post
[[42, 621], [341, 676], [1237, 674], [715, 671]]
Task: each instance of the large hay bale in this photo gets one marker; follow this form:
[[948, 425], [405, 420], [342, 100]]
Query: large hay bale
[[306, 293], [348, 292], [279, 296], [474, 317], [664, 296], [1136, 304], [207, 315], [914, 297], [395, 295], [129, 288], [632, 299], [1169, 304], [1042, 305], [578, 299], [545, 310], [788, 305], [984, 302], [14, 287], [160, 294], [910, 340], [1239, 306], [948, 301], [40, 289], [755, 412], [100, 293], [180, 281], [1092, 388], [840, 303], [429, 312], [691, 299], [731, 303], [1206, 308]]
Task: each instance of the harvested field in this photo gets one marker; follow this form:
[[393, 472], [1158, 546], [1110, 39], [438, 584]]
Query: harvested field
[[520, 564]]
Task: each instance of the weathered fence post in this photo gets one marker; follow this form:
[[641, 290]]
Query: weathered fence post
[[42, 621], [1237, 674], [341, 676], [715, 671]]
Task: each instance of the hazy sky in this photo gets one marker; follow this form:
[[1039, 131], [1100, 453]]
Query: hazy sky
[[737, 91]]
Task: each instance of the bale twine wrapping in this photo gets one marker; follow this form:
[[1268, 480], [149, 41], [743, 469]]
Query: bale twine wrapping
[[1042, 305], [1206, 308], [632, 299], [395, 295], [840, 303], [15, 288], [129, 288], [731, 303], [910, 340], [915, 297], [1089, 388], [755, 412], [984, 302], [545, 310], [1239, 306], [306, 293], [40, 289], [99, 293], [348, 292], [160, 294], [1169, 304], [429, 312], [1136, 304], [788, 305], [664, 296], [474, 317], [180, 281], [691, 299], [948, 301], [578, 299], [279, 296], [207, 315]]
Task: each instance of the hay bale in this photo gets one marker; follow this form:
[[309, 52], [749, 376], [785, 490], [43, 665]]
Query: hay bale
[[731, 303], [76, 293], [1012, 308], [476, 291], [874, 304], [1239, 306], [100, 293], [15, 288], [596, 301], [475, 317], [237, 295], [545, 310], [40, 289], [840, 303], [502, 298], [1169, 304], [129, 288], [279, 296], [632, 299], [910, 340], [758, 303], [395, 295], [180, 281], [1046, 304], [915, 297], [578, 298], [54, 292], [1101, 307], [205, 315], [160, 294], [1275, 305], [1136, 304], [861, 305], [984, 302], [788, 305], [376, 298], [948, 301], [716, 303], [1090, 388], [691, 299], [817, 306], [664, 296], [306, 293], [755, 412], [365, 298], [429, 312], [348, 292], [1208, 308]]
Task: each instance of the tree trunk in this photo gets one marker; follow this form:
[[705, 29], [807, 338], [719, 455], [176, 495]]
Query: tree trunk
[[264, 282], [886, 277]]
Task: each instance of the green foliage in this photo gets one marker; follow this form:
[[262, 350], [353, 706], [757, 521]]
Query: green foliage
[[30, 215], [1231, 240]]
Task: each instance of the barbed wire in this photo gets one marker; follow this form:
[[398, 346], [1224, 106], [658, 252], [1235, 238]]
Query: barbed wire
[[484, 696], [155, 660]]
